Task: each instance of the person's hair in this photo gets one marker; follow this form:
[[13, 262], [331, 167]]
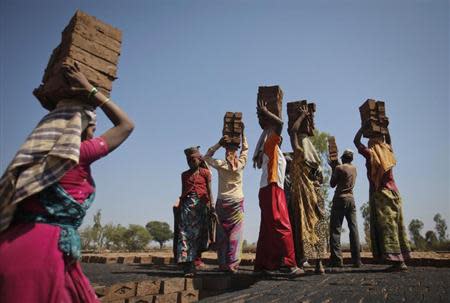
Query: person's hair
[[347, 158]]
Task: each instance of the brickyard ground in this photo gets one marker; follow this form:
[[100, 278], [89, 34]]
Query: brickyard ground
[[153, 277]]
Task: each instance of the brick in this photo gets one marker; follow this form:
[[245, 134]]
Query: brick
[[161, 260], [332, 149], [110, 260], [84, 258], [100, 26], [166, 298], [121, 291], [188, 296], [92, 34], [146, 260], [373, 113], [93, 259], [232, 128], [104, 260], [172, 285], [294, 109], [247, 262], [94, 62], [217, 283], [193, 283], [92, 47], [143, 299], [125, 259], [273, 95], [148, 288], [100, 290], [209, 261], [89, 42], [99, 79]]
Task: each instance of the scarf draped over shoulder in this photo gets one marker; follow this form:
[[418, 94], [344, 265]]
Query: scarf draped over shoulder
[[382, 160], [52, 148]]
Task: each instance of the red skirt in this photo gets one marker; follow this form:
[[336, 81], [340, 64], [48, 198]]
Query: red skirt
[[275, 242]]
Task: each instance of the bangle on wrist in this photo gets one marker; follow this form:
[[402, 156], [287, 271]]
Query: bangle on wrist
[[104, 102], [92, 92]]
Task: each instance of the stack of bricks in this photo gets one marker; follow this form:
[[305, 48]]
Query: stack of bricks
[[332, 149], [294, 110], [232, 128], [180, 290], [94, 46], [373, 116], [273, 96]]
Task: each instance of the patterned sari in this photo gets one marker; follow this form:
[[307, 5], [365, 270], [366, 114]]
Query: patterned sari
[[387, 231], [229, 232], [192, 228], [307, 212]]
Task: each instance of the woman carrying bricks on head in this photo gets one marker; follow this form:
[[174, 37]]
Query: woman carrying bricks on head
[[195, 205], [45, 193], [307, 217], [387, 231], [275, 248], [230, 202]]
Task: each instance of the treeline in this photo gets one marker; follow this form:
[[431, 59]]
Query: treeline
[[115, 237], [436, 239]]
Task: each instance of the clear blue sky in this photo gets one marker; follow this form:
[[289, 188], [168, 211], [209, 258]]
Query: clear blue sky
[[184, 63]]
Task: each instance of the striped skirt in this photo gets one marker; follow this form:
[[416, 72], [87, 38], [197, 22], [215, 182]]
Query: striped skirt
[[229, 232]]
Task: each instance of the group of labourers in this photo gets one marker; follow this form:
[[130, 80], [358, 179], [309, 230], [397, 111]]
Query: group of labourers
[[293, 228], [48, 187]]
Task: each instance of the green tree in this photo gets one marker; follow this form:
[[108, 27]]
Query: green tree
[[115, 236], [86, 237], [415, 227], [441, 227], [160, 232], [365, 212], [97, 231], [431, 238], [137, 237]]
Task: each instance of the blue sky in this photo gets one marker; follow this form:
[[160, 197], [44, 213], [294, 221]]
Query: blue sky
[[184, 63]]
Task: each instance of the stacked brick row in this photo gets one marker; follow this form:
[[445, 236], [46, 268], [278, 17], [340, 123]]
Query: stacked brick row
[[332, 149], [179, 290], [373, 116], [172, 290], [273, 97], [94, 45], [232, 128], [294, 110]]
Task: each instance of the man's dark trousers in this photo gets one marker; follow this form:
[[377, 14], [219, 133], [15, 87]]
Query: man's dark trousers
[[343, 207]]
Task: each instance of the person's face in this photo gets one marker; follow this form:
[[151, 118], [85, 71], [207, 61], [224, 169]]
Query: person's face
[[230, 153], [193, 162], [88, 133]]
